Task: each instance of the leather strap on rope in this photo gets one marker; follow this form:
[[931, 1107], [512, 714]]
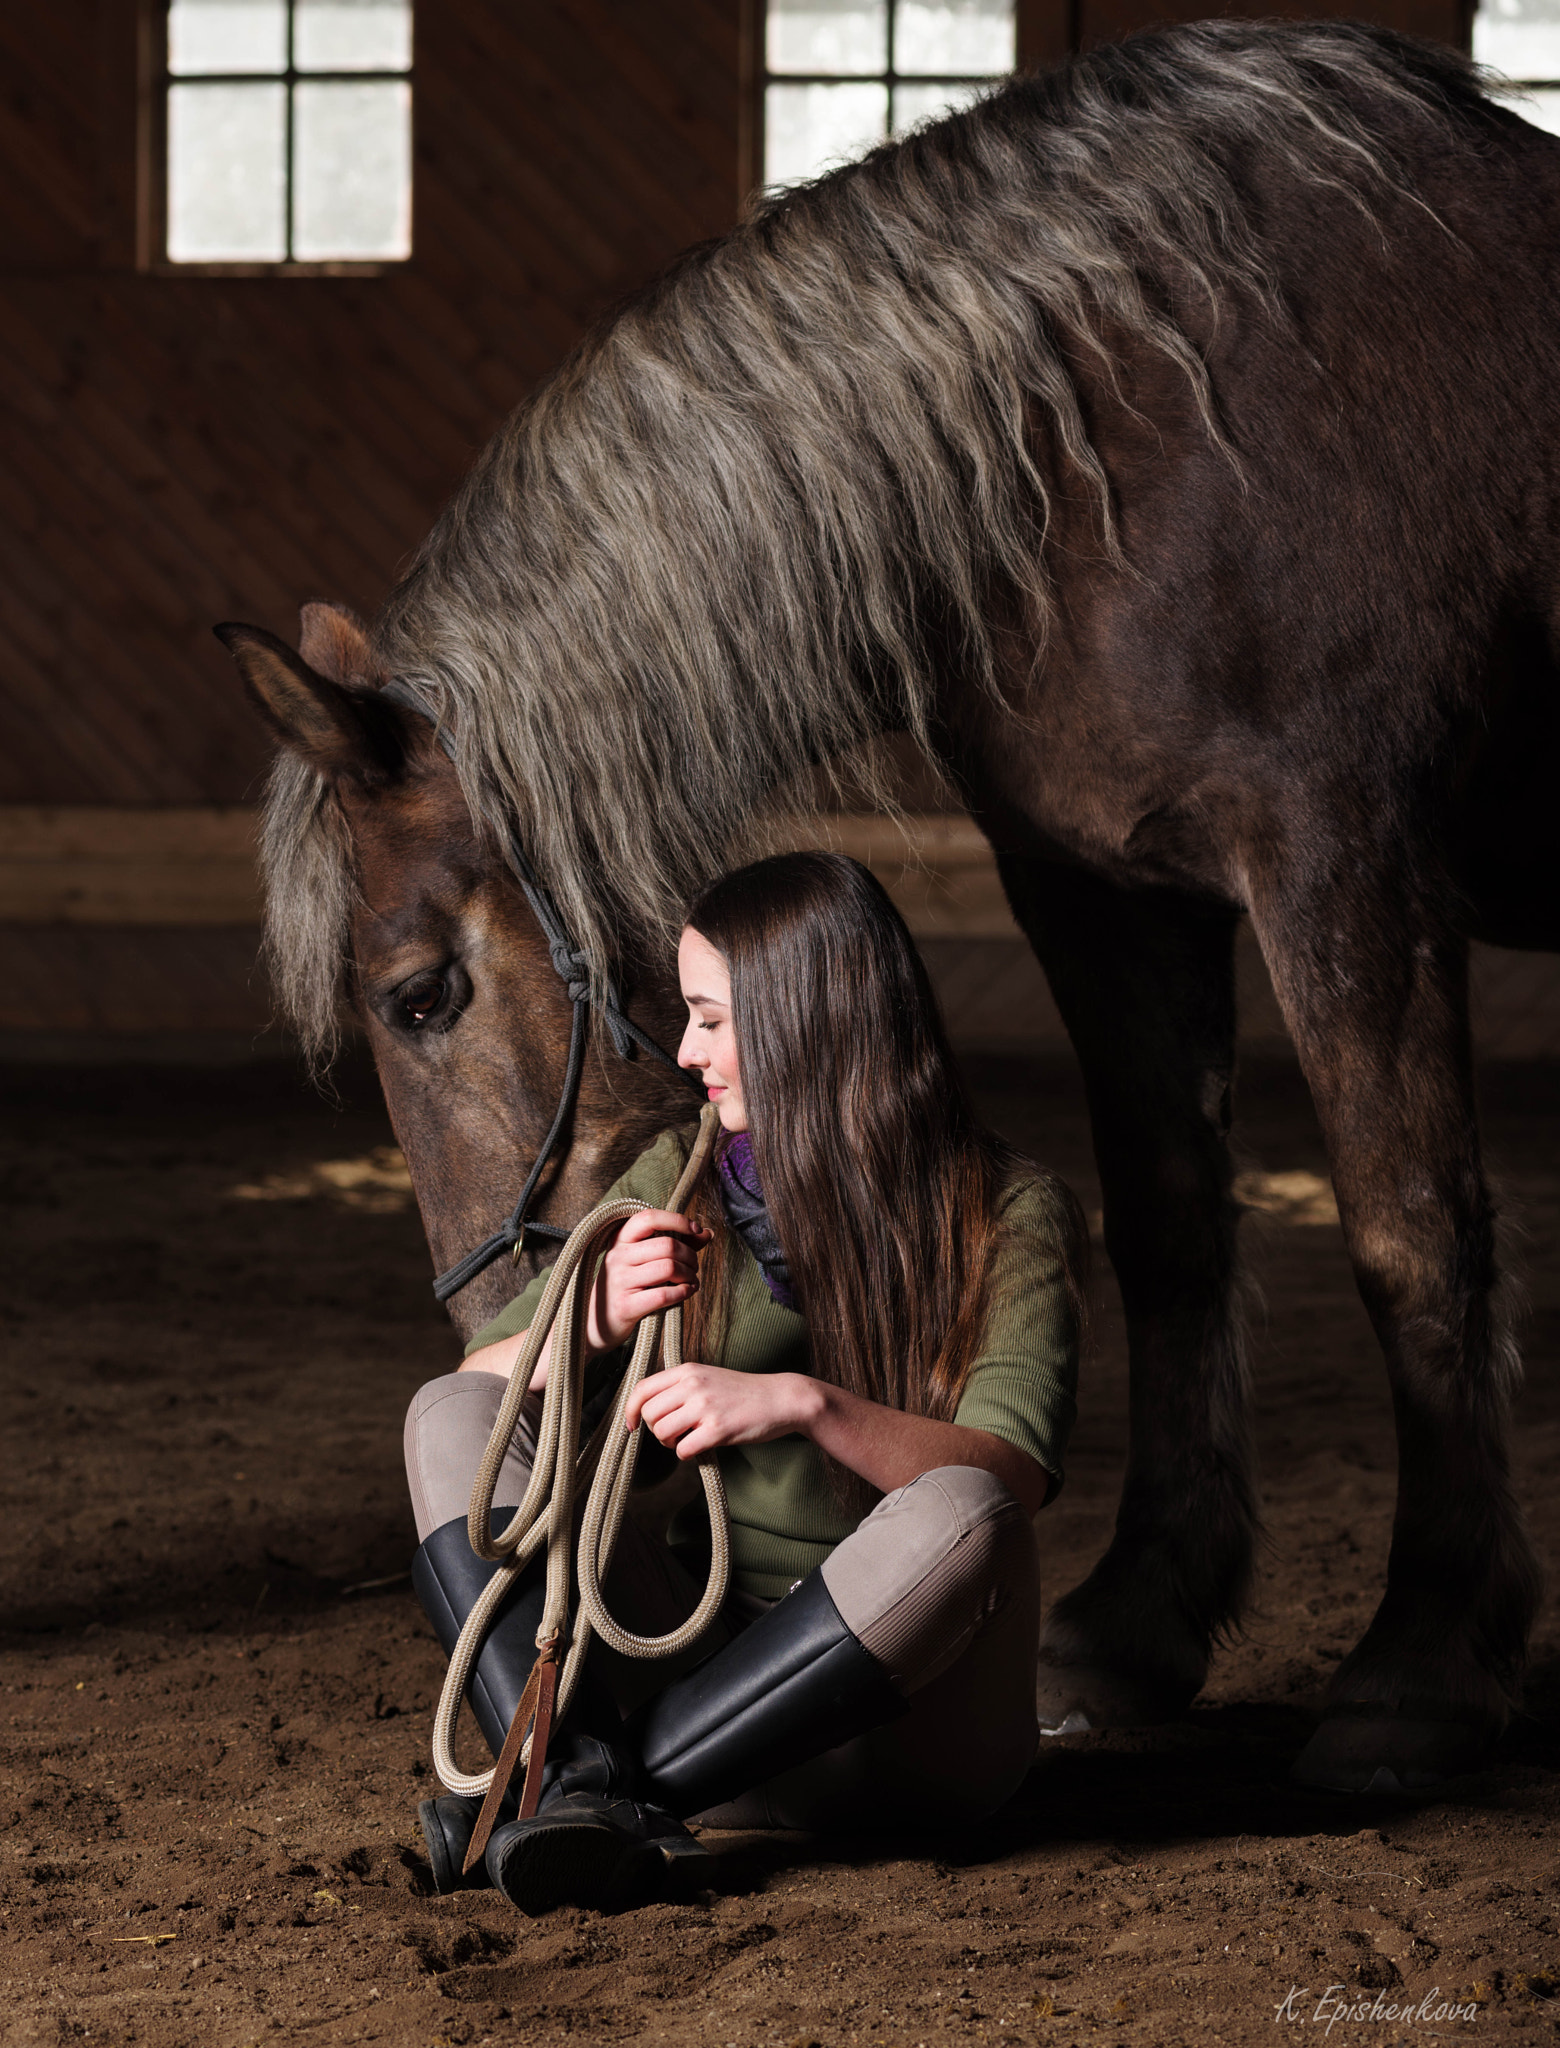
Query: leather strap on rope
[[533, 1717]]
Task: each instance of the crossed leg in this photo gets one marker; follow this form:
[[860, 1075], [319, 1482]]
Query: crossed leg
[[939, 1584]]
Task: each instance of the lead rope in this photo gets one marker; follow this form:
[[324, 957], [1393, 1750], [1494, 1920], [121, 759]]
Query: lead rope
[[546, 1515]]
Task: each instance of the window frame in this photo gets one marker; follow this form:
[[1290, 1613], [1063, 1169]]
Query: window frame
[[152, 214], [1045, 32], [1520, 85]]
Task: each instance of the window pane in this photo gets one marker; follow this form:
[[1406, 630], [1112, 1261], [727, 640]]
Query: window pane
[[227, 35], [226, 182], [807, 128], [352, 165], [828, 35], [1540, 107], [913, 103], [352, 35], [1519, 37], [954, 35]]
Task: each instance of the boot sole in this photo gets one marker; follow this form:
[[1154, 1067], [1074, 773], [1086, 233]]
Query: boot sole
[[542, 1865]]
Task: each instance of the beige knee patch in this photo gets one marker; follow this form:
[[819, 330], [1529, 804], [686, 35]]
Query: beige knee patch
[[447, 1430], [928, 1569]]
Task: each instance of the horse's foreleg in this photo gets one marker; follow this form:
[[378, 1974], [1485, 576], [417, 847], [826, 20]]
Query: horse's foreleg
[[1145, 984], [1375, 993]]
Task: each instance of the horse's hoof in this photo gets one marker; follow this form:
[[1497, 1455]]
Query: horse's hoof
[[1071, 1699], [1384, 1753]]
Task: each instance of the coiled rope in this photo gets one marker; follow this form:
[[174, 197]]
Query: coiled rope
[[546, 1515]]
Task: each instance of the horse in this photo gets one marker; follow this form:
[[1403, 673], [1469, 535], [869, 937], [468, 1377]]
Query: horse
[[1164, 445]]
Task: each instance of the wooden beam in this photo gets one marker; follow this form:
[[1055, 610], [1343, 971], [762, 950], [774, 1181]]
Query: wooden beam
[[92, 864], [191, 869]]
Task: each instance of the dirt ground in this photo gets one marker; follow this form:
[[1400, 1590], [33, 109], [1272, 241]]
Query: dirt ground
[[218, 1688]]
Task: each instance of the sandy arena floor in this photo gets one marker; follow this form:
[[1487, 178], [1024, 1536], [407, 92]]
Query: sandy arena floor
[[215, 1309]]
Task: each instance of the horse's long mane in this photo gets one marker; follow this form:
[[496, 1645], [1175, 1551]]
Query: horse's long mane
[[778, 501]]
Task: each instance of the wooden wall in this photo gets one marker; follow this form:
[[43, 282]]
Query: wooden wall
[[181, 449], [177, 449]]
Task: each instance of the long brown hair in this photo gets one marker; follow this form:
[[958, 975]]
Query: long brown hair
[[882, 1186]]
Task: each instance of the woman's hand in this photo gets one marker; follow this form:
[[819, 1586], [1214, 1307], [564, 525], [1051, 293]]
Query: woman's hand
[[695, 1408], [651, 1264], [699, 1408]]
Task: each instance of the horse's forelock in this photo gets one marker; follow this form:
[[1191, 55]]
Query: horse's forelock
[[310, 891]]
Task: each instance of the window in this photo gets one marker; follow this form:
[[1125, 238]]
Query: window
[[288, 131], [1522, 38], [840, 75]]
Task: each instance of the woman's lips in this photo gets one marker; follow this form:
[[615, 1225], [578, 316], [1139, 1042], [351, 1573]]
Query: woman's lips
[[718, 1089]]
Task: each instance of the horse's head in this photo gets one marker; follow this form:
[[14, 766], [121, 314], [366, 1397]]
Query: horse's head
[[446, 968]]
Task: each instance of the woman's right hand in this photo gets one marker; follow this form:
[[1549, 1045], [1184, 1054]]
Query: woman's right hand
[[652, 1264]]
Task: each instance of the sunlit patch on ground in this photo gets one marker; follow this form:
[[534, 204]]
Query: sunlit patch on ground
[[1301, 1198], [1291, 1197], [377, 1181]]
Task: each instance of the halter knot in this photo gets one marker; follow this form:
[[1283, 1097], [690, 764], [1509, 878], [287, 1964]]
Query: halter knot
[[572, 967]]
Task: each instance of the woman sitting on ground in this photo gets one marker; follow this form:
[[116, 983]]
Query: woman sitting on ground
[[884, 1305]]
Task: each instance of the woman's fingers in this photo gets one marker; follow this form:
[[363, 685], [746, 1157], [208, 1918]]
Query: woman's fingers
[[697, 1441], [679, 1407], [670, 1417], [651, 1265], [655, 1386], [659, 1270], [662, 1404], [662, 1223], [659, 1258], [654, 1298], [703, 1407]]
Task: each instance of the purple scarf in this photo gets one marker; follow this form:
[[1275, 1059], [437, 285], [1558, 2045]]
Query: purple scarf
[[742, 1199]]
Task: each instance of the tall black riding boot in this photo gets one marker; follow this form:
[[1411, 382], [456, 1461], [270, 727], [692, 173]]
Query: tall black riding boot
[[448, 1577], [793, 1684]]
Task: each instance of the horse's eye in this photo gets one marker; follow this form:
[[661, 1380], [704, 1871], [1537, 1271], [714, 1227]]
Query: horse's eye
[[422, 997]]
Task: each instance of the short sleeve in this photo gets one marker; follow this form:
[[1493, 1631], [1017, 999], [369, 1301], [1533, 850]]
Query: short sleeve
[[1024, 1382], [651, 1179]]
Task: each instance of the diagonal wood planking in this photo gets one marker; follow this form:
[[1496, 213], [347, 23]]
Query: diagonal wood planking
[[176, 449]]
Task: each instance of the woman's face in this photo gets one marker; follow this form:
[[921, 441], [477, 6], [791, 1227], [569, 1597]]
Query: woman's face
[[709, 1044]]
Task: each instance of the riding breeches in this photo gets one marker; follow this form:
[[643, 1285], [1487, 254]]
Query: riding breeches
[[940, 1583]]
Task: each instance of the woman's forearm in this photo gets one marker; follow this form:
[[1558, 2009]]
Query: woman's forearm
[[888, 1448], [502, 1358]]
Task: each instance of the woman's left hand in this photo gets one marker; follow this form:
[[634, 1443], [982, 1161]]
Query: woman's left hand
[[695, 1408]]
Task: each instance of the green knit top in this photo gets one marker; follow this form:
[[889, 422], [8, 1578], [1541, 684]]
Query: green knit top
[[785, 1518]]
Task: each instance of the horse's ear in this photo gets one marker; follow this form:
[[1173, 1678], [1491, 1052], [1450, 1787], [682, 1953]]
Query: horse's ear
[[341, 732], [334, 643]]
